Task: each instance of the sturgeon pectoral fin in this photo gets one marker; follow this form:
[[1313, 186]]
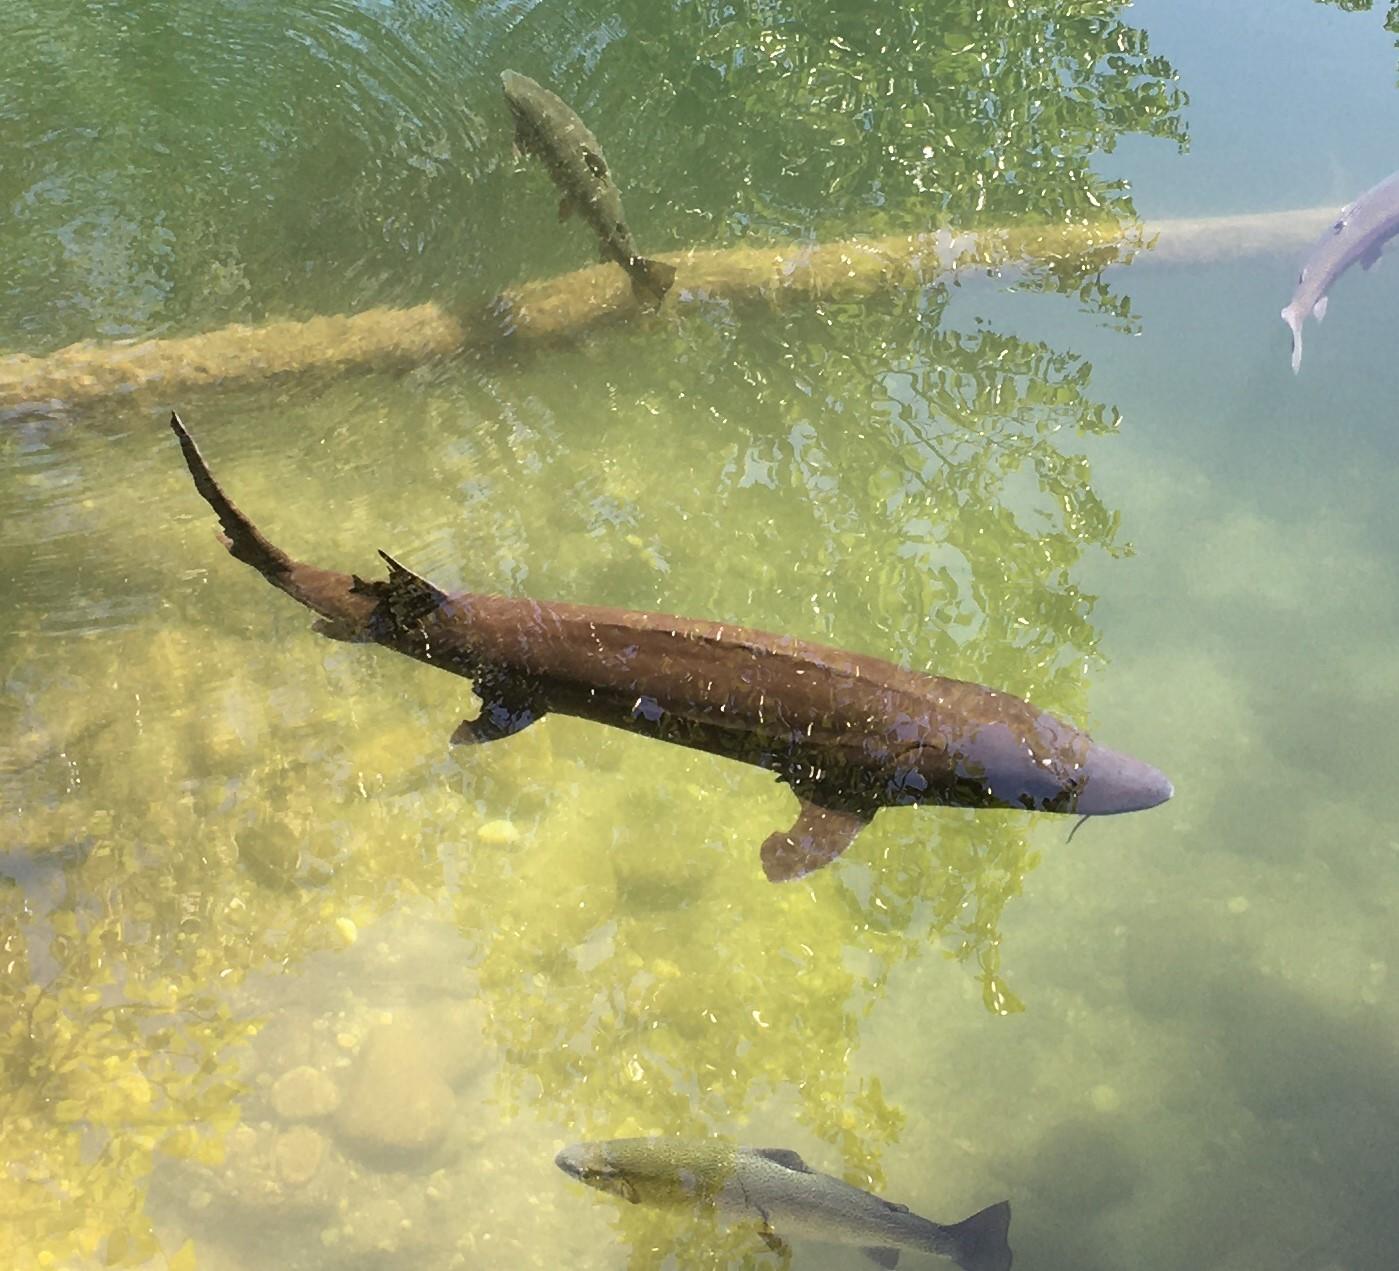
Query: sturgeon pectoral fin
[[1372, 257], [1319, 309], [818, 836], [882, 1257], [497, 719], [565, 208]]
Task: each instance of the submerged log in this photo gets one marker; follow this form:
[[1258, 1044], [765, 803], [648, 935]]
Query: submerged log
[[556, 308]]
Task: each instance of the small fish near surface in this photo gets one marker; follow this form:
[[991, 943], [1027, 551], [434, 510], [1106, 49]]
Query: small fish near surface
[[1359, 233], [848, 733], [785, 1197], [548, 128]]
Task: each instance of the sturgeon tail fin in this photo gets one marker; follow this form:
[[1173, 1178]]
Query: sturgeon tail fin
[[650, 279], [332, 595], [979, 1243], [242, 538]]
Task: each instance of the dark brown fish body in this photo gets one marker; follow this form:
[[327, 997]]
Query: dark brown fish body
[[848, 732]]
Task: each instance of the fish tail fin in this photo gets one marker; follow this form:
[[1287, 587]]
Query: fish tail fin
[[979, 1243], [242, 538], [323, 591], [1294, 320], [650, 279]]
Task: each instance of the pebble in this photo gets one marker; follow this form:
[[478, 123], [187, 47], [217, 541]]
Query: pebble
[[292, 1171], [398, 1103], [298, 1153], [453, 1038], [304, 1094], [498, 833], [1105, 1098]]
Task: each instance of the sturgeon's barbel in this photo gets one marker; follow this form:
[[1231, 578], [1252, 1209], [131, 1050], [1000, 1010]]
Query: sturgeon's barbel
[[785, 1197], [847, 732], [1358, 233], [548, 128]]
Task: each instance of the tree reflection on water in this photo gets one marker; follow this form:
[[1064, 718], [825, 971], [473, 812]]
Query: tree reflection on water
[[188, 801]]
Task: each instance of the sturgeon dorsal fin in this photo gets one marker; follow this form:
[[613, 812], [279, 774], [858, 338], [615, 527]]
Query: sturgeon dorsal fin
[[785, 1157], [409, 598], [816, 838]]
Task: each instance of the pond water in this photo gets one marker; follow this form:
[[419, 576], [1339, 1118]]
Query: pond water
[[289, 981]]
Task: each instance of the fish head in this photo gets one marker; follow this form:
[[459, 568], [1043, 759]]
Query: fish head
[[1111, 782], [529, 107], [1032, 760], [657, 1171], [519, 90], [591, 1163], [536, 109]]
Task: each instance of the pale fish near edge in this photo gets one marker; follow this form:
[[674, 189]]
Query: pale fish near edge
[[1359, 233]]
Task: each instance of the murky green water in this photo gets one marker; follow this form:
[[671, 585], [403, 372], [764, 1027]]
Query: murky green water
[[289, 982]]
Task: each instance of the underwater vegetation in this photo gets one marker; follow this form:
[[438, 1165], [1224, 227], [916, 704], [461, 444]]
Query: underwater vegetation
[[249, 821], [201, 804]]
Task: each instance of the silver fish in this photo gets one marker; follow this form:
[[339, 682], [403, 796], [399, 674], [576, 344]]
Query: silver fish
[[1359, 233], [549, 128], [779, 1191]]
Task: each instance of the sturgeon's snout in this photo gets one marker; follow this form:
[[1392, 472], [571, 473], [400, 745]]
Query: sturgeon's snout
[[1114, 782], [570, 1160]]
